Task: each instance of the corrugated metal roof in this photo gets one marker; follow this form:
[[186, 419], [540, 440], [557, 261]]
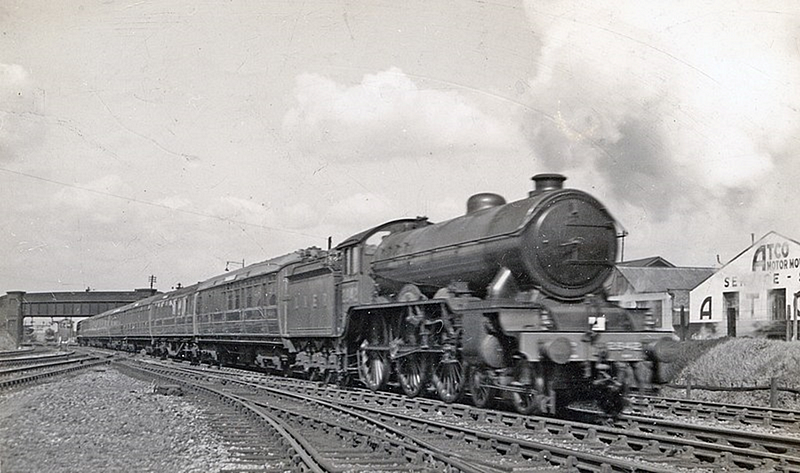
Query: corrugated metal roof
[[664, 279]]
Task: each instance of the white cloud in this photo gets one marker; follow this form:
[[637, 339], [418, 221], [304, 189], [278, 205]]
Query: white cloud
[[388, 115]]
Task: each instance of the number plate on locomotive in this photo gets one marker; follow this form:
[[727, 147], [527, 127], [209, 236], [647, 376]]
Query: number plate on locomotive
[[620, 346]]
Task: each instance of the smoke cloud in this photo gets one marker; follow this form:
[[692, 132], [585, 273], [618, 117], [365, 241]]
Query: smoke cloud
[[675, 106], [647, 94]]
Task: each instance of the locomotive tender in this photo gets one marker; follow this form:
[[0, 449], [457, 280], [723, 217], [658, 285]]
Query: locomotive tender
[[505, 302]]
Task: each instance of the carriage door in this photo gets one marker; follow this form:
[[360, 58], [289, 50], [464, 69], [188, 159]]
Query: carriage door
[[731, 310]]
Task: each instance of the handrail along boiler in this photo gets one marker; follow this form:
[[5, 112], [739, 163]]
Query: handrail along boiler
[[505, 302]]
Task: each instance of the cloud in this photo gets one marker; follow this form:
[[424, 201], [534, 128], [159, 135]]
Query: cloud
[[688, 113], [20, 110], [92, 199], [361, 210], [388, 115], [662, 93]]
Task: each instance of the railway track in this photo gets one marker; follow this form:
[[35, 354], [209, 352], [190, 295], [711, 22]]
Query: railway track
[[12, 353], [489, 440], [315, 436], [651, 440], [735, 415], [663, 442], [34, 358], [21, 370]]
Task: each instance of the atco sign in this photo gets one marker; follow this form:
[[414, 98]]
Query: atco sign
[[773, 257]]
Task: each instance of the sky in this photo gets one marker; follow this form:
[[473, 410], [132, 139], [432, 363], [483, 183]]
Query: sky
[[170, 138]]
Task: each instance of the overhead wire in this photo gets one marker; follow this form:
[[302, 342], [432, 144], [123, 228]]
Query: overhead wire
[[155, 204]]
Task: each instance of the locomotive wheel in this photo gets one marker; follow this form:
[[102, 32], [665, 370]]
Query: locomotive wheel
[[480, 390], [612, 403], [529, 399], [613, 400], [373, 365], [524, 403], [412, 372], [448, 379]]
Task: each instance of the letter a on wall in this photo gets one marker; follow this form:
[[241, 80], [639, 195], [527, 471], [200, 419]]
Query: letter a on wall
[[705, 309]]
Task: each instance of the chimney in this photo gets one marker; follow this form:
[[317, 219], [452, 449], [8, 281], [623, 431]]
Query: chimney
[[547, 182]]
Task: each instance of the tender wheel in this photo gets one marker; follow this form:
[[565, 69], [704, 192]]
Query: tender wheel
[[412, 372], [479, 387], [373, 365], [448, 379]]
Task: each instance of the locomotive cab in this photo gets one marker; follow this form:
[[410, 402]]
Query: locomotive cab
[[357, 253]]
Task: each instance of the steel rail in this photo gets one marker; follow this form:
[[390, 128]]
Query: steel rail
[[556, 455]]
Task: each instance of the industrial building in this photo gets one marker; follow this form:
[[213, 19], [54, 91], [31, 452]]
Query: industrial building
[[656, 284], [754, 294]]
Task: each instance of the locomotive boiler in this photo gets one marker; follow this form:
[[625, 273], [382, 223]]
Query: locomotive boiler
[[504, 303], [562, 242]]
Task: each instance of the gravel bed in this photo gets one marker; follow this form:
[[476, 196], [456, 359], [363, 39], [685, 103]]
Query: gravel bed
[[104, 421]]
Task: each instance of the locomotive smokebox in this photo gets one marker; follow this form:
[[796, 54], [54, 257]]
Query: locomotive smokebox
[[547, 182]]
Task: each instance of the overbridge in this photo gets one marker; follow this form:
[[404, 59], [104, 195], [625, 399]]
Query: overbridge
[[16, 306]]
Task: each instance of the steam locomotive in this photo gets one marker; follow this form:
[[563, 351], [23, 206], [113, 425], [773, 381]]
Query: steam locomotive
[[505, 302]]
